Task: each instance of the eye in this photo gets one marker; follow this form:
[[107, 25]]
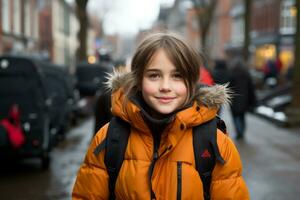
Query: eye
[[177, 76], [153, 76]]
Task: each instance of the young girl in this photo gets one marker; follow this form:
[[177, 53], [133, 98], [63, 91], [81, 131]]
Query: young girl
[[160, 100]]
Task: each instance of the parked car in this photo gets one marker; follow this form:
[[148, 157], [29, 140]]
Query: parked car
[[90, 77], [90, 80], [61, 89], [22, 84]]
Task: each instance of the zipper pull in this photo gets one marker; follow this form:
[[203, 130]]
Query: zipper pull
[[155, 156], [165, 151]]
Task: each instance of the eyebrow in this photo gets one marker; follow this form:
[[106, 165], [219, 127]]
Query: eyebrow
[[158, 70], [152, 70]]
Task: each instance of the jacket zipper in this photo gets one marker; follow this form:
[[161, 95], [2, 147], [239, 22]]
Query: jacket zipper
[[151, 169], [156, 156], [156, 142], [179, 180]]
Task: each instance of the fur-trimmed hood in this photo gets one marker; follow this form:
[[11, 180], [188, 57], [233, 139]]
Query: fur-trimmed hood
[[210, 96]]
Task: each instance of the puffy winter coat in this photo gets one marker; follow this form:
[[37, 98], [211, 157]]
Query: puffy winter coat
[[174, 175], [244, 98]]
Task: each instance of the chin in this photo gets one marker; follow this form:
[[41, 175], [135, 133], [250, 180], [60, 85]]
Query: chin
[[165, 112]]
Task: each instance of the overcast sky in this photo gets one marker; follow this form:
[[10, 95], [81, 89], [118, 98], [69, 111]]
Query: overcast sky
[[126, 16]]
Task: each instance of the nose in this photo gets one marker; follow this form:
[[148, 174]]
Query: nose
[[165, 85]]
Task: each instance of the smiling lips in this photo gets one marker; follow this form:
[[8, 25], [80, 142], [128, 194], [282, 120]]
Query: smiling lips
[[165, 99]]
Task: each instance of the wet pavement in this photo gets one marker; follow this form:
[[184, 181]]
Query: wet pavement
[[271, 159], [25, 180], [270, 156]]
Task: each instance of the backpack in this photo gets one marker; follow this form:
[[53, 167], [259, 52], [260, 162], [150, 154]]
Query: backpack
[[205, 146]]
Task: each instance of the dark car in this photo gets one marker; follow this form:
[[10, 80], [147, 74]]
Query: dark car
[[22, 83], [90, 77], [61, 89]]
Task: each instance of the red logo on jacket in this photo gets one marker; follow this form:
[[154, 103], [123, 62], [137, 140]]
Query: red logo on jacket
[[205, 154]]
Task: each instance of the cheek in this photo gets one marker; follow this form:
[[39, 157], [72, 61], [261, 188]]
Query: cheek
[[181, 89], [147, 87]]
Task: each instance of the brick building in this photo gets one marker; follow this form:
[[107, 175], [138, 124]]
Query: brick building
[[18, 26]]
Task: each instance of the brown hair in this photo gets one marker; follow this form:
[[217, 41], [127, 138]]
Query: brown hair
[[181, 54]]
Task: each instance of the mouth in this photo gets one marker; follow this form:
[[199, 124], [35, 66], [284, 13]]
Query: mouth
[[165, 99]]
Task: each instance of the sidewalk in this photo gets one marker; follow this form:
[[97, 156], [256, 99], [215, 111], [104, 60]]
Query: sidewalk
[[271, 159], [272, 104]]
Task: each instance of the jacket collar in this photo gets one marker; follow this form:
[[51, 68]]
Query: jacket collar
[[206, 102]]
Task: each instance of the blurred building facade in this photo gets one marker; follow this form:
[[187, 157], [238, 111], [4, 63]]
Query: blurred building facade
[[235, 44], [221, 30], [272, 29], [192, 28], [182, 18], [43, 28], [19, 26], [264, 30], [287, 30], [58, 28]]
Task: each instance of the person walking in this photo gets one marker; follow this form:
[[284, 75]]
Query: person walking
[[162, 103], [244, 98], [221, 73], [102, 111], [205, 76]]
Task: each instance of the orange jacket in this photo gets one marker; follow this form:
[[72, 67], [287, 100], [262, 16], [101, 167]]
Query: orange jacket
[[175, 147]]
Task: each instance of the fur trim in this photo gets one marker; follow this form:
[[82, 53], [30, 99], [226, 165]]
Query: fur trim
[[210, 96], [116, 79], [214, 96]]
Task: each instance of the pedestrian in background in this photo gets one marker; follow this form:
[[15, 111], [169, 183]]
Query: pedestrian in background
[[270, 73], [221, 73], [102, 111], [162, 102], [205, 76], [103, 101], [244, 98]]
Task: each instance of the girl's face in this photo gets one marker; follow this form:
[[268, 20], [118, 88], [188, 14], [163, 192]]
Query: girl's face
[[163, 88]]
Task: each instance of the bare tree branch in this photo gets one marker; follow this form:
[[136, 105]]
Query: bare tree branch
[[247, 17], [81, 11], [205, 11]]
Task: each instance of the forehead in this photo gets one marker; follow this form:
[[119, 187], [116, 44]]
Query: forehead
[[160, 59]]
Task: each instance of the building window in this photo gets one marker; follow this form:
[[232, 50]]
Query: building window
[[238, 24], [288, 17], [17, 12], [237, 36], [264, 53], [61, 17], [5, 16], [27, 19], [66, 20]]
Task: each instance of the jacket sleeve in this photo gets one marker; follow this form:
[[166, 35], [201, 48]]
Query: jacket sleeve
[[92, 179], [227, 181]]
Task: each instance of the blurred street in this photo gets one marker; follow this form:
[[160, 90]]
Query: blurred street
[[270, 158], [25, 180], [269, 154]]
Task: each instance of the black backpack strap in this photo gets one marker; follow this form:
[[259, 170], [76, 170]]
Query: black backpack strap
[[206, 152], [115, 145], [221, 124]]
